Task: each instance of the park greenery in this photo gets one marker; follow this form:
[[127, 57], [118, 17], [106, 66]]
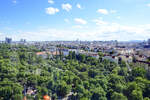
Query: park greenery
[[83, 77]]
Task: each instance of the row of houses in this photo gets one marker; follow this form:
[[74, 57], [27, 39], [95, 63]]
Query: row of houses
[[65, 52], [113, 57], [113, 54]]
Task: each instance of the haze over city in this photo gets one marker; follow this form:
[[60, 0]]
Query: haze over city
[[49, 20]]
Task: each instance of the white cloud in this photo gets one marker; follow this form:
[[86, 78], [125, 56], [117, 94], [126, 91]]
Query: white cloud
[[67, 7], [66, 20], [103, 30], [115, 31], [106, 12], [43, 35], [52, 10], [100, 21], [118, 17], [14, 1], [148, 5], [110, 31], [80, 21], [81, 27], [77, 27], [51, 1], [103, 11], [79, 6]]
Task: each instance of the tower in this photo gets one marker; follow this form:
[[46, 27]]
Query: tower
[[8, 40]]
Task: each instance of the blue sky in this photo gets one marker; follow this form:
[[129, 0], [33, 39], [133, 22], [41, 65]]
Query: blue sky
[[75, 19]]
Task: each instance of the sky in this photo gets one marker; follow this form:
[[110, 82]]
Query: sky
[[51, 20]]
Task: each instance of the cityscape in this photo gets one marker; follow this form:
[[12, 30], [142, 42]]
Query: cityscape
[[112, 50], [74, 50]]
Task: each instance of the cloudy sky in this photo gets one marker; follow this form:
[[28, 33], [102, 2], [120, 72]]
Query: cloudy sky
[[48, 20]]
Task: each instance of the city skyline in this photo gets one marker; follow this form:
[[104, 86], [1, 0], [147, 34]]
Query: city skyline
[[50, 20]]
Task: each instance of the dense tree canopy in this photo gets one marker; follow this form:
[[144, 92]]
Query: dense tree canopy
[[77, 76]]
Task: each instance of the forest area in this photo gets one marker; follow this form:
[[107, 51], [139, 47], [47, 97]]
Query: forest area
[[77, 77]]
